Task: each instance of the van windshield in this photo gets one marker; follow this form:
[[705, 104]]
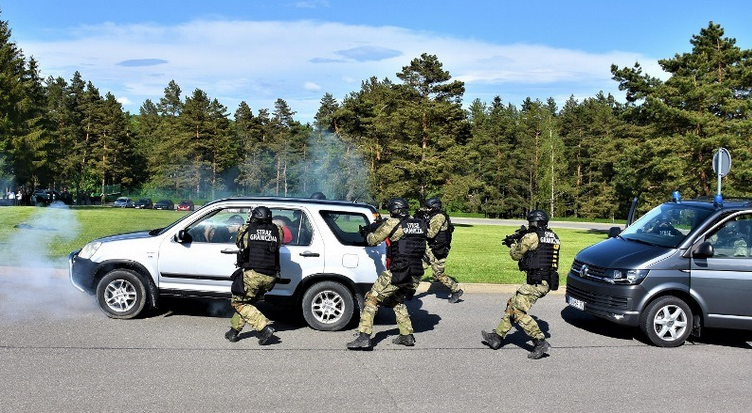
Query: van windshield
[[666, 225]]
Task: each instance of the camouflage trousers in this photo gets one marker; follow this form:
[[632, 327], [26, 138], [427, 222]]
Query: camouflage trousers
[[437, 267], [256, 285], [517, 310], [384, 293]]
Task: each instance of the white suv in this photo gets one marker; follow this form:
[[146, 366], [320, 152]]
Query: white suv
[[326, 265]]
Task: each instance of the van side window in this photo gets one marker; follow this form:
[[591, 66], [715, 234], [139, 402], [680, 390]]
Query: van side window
[[346, 226], [733, 238]]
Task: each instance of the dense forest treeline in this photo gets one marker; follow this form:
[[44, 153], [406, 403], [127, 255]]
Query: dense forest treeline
[[409, 137]]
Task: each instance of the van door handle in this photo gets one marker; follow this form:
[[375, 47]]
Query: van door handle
[[309, 254]]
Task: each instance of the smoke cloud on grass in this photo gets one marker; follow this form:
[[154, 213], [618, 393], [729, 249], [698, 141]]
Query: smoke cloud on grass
[[31, 284]]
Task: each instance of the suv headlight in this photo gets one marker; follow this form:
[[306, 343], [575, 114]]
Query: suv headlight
[[89, 250], [625, 276]]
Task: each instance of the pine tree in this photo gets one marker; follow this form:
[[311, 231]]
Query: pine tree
[[705, 104]]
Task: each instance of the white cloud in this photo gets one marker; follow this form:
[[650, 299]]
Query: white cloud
[[312, 86], [260, 61]]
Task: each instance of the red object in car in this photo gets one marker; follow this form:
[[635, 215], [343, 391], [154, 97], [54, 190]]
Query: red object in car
[[185, 206]]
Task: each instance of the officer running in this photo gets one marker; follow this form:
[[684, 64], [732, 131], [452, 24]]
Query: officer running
[[259, 241], [537, 253], [440, 230], [406, 244]]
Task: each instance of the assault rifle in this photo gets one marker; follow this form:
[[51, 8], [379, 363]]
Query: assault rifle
[[364, 230], [516, 236]]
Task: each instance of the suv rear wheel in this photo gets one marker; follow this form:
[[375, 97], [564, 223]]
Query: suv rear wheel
[[328, 305], [667, 321], [121, 294]]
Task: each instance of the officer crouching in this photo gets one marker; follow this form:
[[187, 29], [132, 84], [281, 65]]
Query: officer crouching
[[259, 242], [537, 251], [406, 244]]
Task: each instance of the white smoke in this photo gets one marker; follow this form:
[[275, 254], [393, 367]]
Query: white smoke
[[31, 284], [336, 168]]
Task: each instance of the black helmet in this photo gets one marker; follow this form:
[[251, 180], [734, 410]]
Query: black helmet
[[397, 207], [432, 203], [261, 214], [318, 195], [538, 218]]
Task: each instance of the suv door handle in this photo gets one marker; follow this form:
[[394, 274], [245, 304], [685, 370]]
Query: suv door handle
[[309, 254]]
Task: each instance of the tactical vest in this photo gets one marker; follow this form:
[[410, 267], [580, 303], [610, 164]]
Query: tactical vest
[[262, 248], [442, 242], [542, 263], [406, 254]]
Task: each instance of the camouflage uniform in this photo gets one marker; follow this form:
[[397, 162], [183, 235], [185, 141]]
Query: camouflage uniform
[[519, 305], [437, 223], [537, 253], [256, 285], [383, 292]]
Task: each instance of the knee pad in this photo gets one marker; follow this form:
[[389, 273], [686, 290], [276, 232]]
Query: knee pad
[[370, 299]]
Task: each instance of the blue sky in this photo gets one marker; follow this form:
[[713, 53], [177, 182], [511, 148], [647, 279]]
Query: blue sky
[[261, 50]]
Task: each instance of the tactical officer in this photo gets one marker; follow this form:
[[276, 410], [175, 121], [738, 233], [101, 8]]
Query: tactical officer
[[440, 231], [537, 253], [406, 244], [259, 241]]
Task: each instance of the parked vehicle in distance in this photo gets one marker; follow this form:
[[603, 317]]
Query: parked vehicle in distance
[[164, 204], [45, 196], [681, 267], [326, 267], [123, 202], [186, 205], [144, 203]]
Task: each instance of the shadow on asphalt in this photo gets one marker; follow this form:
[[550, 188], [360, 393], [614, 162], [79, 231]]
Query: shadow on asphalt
[[421, 319], [727, 338], [595, 325], [284, 318]]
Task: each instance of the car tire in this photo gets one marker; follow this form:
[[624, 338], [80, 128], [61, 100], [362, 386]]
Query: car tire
[[667, 321], [121, 294], [328, 306]]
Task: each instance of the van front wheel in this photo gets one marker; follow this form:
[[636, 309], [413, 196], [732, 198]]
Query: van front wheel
[[328, 305], [667, 321]]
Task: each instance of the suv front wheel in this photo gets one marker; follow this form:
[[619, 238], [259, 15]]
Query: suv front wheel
[[121, 294], [328, 305], [667, 321]]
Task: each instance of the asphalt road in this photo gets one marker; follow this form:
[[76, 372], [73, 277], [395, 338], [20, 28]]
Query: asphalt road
[[59, 353]]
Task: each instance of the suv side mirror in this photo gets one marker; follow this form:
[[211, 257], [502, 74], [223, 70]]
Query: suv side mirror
[[704, 250], [613, 232], [183, 237]]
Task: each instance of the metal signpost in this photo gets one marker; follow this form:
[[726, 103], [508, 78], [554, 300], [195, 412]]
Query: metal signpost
[[721, 166]]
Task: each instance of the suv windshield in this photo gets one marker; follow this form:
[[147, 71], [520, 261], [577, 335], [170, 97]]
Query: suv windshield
[[666, 225]]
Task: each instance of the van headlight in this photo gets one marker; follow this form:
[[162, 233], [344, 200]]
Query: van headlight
[[626, 276], [89, 250]]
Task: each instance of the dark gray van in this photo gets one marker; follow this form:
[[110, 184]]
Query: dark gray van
[[682, 266]]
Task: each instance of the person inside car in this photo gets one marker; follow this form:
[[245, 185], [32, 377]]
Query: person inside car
[[664, 228]]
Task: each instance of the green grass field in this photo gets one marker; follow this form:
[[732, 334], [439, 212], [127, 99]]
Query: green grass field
[[32, 236]]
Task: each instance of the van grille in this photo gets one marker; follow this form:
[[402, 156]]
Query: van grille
[[593, 271], [603, 301]]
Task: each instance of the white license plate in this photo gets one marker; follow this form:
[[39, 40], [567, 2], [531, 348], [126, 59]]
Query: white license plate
[[578, 304]]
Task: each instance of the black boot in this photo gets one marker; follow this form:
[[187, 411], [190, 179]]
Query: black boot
[[265, 335], [405, 340], [232, 335], [540, 349], [455, 296], [362, 342], [492, 339]]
